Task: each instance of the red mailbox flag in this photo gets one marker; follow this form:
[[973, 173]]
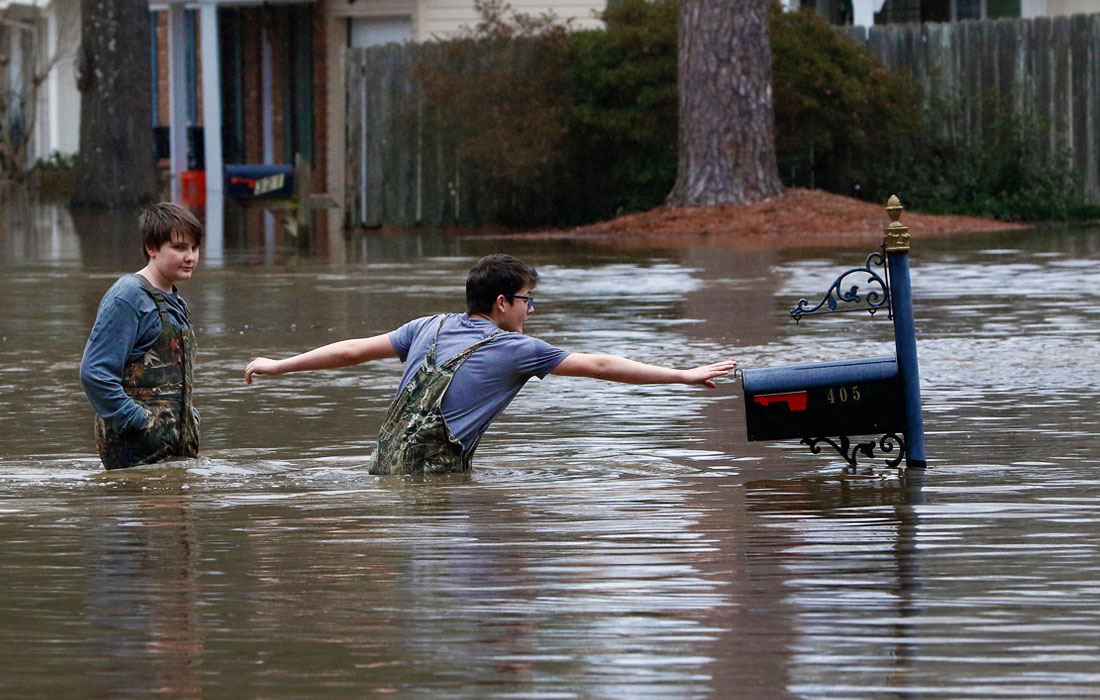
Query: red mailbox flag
[[796, 401]]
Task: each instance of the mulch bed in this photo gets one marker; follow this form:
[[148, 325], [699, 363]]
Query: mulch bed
[[798, 216]]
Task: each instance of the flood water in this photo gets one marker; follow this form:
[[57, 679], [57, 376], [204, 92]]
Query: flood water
[[613, 541]]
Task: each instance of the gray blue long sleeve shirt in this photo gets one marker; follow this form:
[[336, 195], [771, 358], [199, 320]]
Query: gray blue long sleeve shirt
[[126, 326]]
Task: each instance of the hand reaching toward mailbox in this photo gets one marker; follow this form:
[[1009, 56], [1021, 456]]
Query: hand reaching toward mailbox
[[619, 369], [706, 374]]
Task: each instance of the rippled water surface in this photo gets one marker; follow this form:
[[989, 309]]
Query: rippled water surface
[[614, 541]]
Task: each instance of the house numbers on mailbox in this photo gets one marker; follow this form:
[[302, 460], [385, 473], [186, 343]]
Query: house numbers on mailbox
[[843, 393]]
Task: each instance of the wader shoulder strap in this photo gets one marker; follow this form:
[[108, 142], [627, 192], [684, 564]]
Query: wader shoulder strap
[[161, 302], [455, 362], [429, 359]]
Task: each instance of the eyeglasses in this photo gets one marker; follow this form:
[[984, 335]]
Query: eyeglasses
[[529, 299]]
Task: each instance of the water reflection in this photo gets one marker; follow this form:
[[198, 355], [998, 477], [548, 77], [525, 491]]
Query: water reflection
[[31, 234], [214, 223], [614, 540], [141, 555], [851, 552]]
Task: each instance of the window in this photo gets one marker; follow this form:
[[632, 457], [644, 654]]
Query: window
[[372, 31]]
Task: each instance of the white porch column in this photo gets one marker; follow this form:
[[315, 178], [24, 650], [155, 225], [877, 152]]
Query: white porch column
[[1032, 8], [61, 105], [863, 12], [18, 109], [267, 108], [177, 95], [212, 132], [336, 33], [49, 129]]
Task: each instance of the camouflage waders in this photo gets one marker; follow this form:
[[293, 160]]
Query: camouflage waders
[[414, 438], [160, 381]]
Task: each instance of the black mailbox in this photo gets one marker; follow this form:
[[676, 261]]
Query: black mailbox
[[850, 397], [259, 181]]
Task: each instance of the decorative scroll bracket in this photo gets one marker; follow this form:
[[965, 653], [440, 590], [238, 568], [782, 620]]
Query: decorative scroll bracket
[[874, 297], [849, 452]]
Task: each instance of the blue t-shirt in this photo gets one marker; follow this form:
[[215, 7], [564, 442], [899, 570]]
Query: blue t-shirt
[[489, 379], [126, 326]]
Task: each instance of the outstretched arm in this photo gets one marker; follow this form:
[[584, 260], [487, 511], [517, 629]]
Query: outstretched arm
[[619, 369], [340, 354]]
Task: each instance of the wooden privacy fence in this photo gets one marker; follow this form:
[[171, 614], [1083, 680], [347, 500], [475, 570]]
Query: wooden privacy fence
[[403, 167], [383, 177], [1046, 69], [421, 154]]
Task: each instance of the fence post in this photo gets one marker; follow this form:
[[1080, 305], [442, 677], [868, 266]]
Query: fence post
[[895, 240]]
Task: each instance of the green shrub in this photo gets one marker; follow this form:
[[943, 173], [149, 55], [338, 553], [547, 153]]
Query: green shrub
[[52, 178], [1004, 172], [560, 127], [56, 162], [623, 110], [847, 125], [494, 92], [841, 117]]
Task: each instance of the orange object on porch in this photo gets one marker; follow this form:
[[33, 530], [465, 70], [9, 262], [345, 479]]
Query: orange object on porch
[[193, 188]]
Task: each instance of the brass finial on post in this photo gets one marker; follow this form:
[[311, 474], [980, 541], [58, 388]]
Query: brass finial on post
[[895, 237]]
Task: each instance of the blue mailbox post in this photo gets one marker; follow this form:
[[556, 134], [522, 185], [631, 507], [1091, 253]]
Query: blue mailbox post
[[871, 396], [895, 242]]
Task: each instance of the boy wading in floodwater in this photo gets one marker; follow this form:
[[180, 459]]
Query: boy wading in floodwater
[[462, 370], [137, 365]]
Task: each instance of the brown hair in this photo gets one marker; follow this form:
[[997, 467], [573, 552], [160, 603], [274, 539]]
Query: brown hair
[[494, 275], [164, 222]]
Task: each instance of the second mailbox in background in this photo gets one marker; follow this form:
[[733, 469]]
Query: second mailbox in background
[[248, 181], [849, 397]]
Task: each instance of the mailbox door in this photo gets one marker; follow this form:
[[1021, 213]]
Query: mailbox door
[[853, 397]]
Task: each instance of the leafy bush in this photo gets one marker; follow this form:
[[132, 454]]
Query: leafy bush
[[1004, 172], [52, 178], [847, 125], [56, 162], [623, 110], [494, 92], [841, 118]]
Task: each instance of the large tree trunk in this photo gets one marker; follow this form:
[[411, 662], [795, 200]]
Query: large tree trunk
[[117, 166], [727, 127]]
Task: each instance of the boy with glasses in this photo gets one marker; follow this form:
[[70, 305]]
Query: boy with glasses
[[462, 371]]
